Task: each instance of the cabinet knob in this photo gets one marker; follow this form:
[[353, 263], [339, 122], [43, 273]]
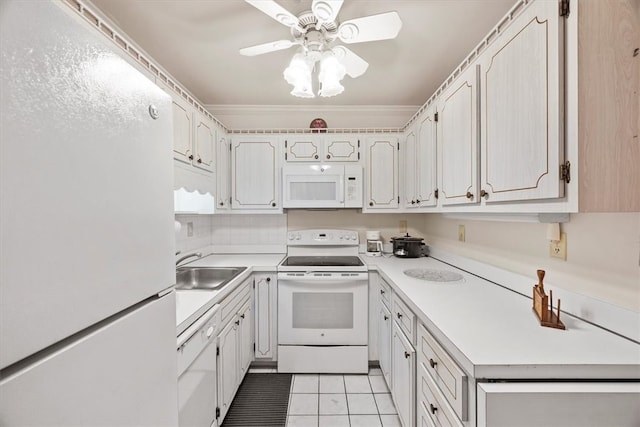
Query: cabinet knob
[[268, 279], [381, 291], [242, 316], [199, 160], [370, 203], [399, 315], [273, 204], [407, 355], [432, 408], [432, 363], [413, 202], [484, 194], [221, 203], [386, 317], [469, 195], [328, 156], [417, 200], [237, 322], [316, 157], [191, 157]]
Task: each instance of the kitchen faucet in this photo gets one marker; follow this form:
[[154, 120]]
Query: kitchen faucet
[[197, 254]]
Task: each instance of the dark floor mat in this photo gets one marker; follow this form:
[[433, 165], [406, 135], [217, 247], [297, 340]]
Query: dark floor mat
[[261, 400]]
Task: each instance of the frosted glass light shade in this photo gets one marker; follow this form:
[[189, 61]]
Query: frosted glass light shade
[[298, 74], [331, 72]]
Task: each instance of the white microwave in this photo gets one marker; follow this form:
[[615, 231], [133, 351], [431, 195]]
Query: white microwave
[[322, 186]]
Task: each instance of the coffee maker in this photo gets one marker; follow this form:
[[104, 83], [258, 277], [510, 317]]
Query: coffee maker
[[374, 244]]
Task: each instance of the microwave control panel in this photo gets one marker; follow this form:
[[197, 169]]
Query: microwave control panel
[[353, 186]]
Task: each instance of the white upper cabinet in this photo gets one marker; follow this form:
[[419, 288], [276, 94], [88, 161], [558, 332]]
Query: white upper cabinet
[[204, 143], [182, 126], [322, 148], [255, 173], [458, 140], [381, 169], [223, 173], [409, 195], [521, 92], [194, 133], [426, 155]]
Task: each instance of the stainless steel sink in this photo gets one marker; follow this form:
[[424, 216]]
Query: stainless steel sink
[[205, 278]]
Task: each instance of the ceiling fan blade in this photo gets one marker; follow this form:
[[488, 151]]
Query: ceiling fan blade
[[326, 10], [355, 66], [277, 12], [266, 47], [369, 28]]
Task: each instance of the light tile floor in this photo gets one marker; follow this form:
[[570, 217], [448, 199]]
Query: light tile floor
[[341, 400]]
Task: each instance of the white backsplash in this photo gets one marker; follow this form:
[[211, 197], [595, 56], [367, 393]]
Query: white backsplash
[[202, 231], [249, 233]]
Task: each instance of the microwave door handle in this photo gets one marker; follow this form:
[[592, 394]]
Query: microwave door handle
[[341, 190]]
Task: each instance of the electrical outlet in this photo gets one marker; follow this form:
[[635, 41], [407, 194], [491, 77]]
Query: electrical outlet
[[189, 229], [558, 248], [402, 226], [461, 236]]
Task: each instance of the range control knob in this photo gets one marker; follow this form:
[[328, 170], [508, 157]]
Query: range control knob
[[298, 236], [291, 237]]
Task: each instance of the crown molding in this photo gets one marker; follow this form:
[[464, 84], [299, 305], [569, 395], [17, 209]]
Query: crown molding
[[239, 117]]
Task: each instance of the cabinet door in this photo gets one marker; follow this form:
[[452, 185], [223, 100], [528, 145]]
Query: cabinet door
[[265, 314], [255, 182], [458, 140], [227, 366], [245, 341], [303, 148], [223, 174], [384, 343], [182, 125], [410, 169], [204, 143], [403, 368], [382, 173], [522, 131], [341, 148], [426, 155], [558, 404]]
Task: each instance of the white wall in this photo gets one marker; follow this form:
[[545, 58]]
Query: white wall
[[603, 251]]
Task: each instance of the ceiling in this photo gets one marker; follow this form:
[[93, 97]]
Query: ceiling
[[197, 42]]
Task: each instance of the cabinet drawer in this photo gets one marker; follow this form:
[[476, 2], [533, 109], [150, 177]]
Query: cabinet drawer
[[451, 380], [385, 292], [232, 303], [405, 318], [431, 400]]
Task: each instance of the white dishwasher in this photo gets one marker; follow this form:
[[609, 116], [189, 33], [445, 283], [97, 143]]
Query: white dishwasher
[[197, 396]]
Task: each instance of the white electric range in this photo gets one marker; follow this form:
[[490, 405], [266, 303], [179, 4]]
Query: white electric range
[[323, 304]]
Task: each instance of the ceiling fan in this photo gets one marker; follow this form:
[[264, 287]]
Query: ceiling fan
[[316, 32]]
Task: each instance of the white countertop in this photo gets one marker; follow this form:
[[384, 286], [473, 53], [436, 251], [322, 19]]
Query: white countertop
[[491, 331], [494, 333], [192, 304]]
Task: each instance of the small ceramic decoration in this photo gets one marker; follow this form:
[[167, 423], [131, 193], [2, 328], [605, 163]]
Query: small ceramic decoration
[[318, 124]]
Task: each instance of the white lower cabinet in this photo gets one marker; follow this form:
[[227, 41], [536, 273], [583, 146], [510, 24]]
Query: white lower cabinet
[[581, 404], [235, 345], [384, 342], [266, 300], [403, 375]]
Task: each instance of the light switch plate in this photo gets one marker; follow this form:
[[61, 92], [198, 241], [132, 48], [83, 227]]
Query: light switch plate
[[461, 233]]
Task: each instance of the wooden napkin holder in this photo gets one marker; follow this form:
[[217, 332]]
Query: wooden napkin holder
[[541, 305]]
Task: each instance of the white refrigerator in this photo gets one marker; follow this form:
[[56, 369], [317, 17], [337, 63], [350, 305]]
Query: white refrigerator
[[87, 308]]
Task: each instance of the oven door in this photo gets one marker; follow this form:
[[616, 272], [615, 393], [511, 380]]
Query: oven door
[[322, 308]]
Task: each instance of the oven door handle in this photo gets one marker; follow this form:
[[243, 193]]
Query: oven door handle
[[324, 279]]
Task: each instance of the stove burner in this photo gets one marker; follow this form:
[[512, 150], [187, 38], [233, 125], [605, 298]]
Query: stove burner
[[322, 261]]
